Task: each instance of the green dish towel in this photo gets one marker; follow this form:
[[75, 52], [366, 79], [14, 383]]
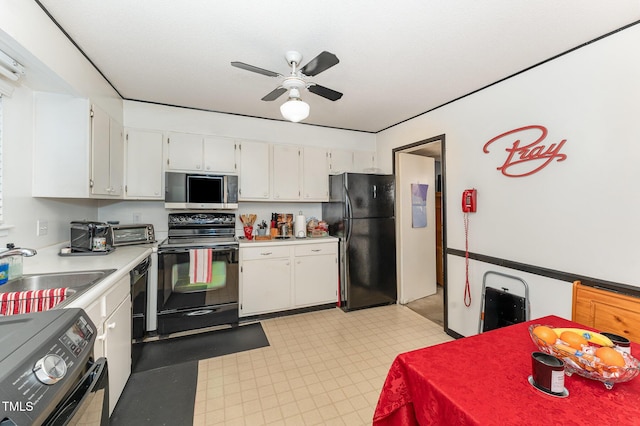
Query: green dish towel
[[180, 277]]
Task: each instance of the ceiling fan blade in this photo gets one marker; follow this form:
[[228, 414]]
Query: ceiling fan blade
[[320, 63], [325, 92], [274, 94], [255, 69]]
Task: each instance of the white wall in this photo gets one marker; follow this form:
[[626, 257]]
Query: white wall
[[417, 246], [577, 216]]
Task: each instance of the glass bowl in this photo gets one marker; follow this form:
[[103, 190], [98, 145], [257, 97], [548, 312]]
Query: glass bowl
[[589, 368]]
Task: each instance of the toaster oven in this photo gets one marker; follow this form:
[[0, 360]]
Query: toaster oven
[[137, 233], [89, 236]]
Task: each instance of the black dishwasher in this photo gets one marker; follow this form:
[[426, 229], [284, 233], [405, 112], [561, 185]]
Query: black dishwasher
[[139, 278]]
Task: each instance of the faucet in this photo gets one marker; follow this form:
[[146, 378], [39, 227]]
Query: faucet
[[26, 252]]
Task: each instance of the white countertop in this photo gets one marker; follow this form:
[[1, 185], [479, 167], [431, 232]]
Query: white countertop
[[122, 259], [286, 241]]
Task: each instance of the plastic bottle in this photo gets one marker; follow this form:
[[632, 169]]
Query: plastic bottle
[[4, 271]]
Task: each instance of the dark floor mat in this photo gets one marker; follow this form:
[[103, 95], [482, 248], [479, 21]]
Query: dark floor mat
[[200, 346], [164, 396]]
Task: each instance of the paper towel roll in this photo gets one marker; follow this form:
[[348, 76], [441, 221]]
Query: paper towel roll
[[300, 227]]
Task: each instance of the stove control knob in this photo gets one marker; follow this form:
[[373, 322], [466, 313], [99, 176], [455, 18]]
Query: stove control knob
[[50, 369]]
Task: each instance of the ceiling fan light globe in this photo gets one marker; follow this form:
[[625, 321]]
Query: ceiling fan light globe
[[294, 110]]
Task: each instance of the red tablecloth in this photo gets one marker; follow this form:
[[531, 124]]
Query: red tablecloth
[[483, 380]]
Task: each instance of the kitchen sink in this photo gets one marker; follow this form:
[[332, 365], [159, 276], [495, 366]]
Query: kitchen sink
[[77, 282]]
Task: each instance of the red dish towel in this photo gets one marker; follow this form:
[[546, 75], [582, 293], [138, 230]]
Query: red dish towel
[[23, 302], [200, 265]]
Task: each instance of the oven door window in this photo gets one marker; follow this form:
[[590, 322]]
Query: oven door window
[[183, 290]]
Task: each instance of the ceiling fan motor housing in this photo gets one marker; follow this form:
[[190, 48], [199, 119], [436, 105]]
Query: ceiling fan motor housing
[[293, 57]]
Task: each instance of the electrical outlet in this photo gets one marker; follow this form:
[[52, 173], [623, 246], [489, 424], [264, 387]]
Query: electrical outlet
[[42, 228], [137, 217]]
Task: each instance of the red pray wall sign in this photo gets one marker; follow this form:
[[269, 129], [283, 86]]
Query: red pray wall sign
[[528, 157]]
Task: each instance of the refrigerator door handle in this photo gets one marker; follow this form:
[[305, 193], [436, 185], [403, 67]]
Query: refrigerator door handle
[[349, 213]]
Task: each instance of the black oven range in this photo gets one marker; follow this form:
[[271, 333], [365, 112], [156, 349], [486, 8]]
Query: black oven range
[[198, 273]]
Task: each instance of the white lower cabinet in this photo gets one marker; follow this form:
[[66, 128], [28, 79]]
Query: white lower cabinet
[[117, 350], [279, 276], [111, 314], [267, 284], [316, 274]]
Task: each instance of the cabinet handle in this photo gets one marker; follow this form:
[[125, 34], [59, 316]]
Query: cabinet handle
[[316, 250], [269, 253], [111, 325], [103, 336]]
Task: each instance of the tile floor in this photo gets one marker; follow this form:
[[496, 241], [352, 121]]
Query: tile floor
[[430, 307], [323, 367]]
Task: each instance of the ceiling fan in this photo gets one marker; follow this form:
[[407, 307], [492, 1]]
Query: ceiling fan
[[295, 109]]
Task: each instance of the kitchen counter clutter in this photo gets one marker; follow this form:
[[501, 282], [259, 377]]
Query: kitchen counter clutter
[[285, 274], [290, 240]]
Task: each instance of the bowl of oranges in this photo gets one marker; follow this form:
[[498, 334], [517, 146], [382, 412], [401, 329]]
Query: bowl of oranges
[[586, 353]]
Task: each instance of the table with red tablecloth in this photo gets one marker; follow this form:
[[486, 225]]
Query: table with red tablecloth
[[483, 380]]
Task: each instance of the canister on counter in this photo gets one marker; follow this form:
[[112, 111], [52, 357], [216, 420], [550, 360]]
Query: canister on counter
[[620, 342]]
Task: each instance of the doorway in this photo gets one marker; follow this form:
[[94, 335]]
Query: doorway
[[433, 307]]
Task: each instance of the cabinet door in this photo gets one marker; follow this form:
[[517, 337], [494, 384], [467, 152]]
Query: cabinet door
[[184, 151], [315, 174], [340, 161], [117, 349], [62, 149], [254, 171], [316, 274], [266, 286], [144, 164], [100, 152], [219, 155], [286, 173], [363, 161], [116, 158]]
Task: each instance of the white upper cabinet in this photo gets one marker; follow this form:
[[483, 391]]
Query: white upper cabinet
[[219, 155], [364, 161], [286, 173], [100, 152], [279, 172], [144, 177], [107, 154], [201, 153], [340, 161], [315, 174], [75, 155], [116, 158], [184, 152], [254, 179]]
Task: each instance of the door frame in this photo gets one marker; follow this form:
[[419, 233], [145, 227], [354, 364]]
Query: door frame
[[411, 148]]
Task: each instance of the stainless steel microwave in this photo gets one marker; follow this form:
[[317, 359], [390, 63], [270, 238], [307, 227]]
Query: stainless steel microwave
[[200, 191]]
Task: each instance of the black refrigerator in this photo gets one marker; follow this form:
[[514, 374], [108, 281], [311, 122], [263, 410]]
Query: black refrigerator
[[360, 212]]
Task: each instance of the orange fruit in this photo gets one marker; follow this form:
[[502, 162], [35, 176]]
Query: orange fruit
[[546, 334], [573, 339], [610, 356]]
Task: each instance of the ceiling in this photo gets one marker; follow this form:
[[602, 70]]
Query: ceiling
[[397, 59]]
